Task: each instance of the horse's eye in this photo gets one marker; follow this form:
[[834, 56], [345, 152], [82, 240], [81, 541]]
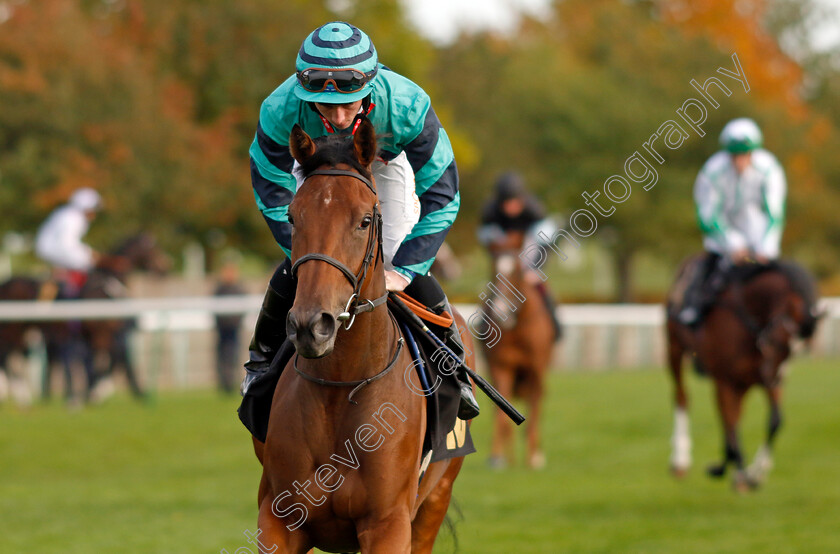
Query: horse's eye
[[291, 221], [365, 222]]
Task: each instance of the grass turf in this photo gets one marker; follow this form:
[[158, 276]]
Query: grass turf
[[179, 475]]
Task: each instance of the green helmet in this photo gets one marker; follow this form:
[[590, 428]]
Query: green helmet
[[336, 64], [740, 136]]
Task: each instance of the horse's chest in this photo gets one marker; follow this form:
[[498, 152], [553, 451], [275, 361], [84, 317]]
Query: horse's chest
[[334, 470]]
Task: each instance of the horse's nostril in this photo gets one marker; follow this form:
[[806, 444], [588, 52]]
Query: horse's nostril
[[291, 325], [323, 325]]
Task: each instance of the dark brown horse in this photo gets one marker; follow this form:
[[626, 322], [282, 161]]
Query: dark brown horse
[[338, 475], [742, 341], [519, 356], [62, 340], [105, 341]]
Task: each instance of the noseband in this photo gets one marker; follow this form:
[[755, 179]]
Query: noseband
[[355, 305]]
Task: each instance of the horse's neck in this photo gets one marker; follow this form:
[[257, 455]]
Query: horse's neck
[[763, 296]]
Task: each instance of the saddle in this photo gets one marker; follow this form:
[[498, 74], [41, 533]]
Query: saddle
[[800, 280], [446, 435]]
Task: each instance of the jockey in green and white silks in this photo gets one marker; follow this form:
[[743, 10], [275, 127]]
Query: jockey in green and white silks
[[741, 210], [740, 195], [339, 80]]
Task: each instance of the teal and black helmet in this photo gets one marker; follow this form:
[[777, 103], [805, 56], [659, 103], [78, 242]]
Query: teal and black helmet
[[335, 65], [740, 136]]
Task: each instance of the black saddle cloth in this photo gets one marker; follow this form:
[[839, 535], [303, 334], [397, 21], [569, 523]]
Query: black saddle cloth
[[446, 435]]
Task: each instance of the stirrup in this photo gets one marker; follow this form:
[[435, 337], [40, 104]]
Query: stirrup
[[468, 407], [251, 375]]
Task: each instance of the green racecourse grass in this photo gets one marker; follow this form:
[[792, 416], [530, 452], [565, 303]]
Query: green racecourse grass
[[179, 475]]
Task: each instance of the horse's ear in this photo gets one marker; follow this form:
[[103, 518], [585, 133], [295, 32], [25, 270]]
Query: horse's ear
[[301, 145], [364, 142]]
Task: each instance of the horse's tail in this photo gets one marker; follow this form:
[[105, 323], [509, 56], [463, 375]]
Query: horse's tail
[[803, 284]]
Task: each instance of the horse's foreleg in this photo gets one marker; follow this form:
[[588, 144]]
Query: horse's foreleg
[[729, 401], [763, 462], [500, 448], [389, 535], [430, 515], [273, 537], [681, 437], [536, 457], [119, 356]]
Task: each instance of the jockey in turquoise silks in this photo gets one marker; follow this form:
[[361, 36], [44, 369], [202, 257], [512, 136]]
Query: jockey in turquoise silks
[[337, 81]]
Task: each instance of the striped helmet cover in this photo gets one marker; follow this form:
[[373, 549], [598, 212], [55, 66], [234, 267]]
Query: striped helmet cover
[[340, 45]]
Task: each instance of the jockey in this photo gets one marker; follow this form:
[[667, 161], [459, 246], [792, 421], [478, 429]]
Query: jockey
[[338, 81], [513, 208], [740, 196], [59, 240]]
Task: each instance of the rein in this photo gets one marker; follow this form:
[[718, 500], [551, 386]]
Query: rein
[[355, 305], [762, 334], [359, 384]]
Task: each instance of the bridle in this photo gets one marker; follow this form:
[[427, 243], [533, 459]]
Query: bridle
[[355, 304]]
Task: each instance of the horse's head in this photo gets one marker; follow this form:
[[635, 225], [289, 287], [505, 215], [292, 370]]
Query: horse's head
[[336, 238], [505, 253], [139, 252]]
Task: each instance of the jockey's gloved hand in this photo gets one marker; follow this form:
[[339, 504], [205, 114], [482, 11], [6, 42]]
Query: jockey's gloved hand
[[395, 281]]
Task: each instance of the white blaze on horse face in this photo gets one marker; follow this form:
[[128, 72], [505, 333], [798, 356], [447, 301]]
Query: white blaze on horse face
[[506, 264]]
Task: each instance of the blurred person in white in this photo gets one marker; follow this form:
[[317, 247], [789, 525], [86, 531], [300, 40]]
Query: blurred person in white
[[59, 241]]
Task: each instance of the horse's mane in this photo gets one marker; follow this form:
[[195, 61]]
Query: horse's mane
[[333, 150]]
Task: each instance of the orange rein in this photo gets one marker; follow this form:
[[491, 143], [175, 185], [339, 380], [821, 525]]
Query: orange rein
[[443, 320]]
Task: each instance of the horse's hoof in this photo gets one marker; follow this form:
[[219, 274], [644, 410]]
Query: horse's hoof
[[496, 462], [716, 470], [537, 460], [742, 482], [679, 472]]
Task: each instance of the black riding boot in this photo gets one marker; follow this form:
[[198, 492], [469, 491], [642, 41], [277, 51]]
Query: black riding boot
[[703, 290], [468, 407], [270, 329], [552, 309], [426, 289]]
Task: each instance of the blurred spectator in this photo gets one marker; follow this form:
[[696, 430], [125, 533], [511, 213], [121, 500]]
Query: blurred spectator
[[227, 327]]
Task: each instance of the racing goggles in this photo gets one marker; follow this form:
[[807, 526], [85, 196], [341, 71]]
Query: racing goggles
[[319, 79]]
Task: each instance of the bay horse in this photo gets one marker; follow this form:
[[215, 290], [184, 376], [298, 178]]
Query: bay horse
[[364, 455], [100, 340], [741, 342], [105, 341], [14, 334], [518, 362]]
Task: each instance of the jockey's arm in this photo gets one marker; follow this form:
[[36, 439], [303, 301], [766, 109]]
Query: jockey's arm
[[436, 184], [271, 174], [718, 234], [774, 191]]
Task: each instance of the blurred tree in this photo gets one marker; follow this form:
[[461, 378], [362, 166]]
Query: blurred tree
[[568, 103]]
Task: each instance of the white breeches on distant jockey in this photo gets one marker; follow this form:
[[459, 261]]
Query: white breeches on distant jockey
[[397, 200]]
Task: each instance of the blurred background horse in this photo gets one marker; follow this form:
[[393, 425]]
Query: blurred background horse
[[519, 361], [100, 344], [741, 342], [105, 342]]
